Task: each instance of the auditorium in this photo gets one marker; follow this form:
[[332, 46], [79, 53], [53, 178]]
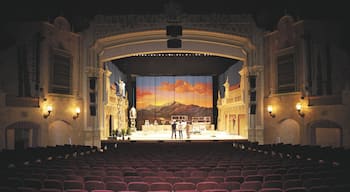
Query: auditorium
[[175, 96]]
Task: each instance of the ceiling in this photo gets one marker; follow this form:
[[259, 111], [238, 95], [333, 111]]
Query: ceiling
[[79, 13], [174, 64]]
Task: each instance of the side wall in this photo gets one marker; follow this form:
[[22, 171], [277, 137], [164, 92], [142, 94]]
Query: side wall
[[318, 61]]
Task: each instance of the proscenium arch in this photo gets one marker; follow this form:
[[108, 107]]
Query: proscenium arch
[[155, 41]]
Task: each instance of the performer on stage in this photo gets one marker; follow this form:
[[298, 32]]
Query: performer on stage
[[187, 127], [173, 129], [180, 128]]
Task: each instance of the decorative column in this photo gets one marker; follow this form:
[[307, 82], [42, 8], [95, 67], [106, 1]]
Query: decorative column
[[245, 125], [108, 106], [94, 89], [255, 130]]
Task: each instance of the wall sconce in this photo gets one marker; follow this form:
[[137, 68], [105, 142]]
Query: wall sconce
[[77, 113], [299, 107], [269, 109], [49, 110]]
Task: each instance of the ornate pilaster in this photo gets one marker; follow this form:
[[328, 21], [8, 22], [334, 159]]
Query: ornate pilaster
[[255, 131], [94, 89], [227, 88]]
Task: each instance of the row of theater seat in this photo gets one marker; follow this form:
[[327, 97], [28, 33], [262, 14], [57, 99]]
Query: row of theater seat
[[20, 157], [206, 186], [309, 180], [323, 153], [193, 163]]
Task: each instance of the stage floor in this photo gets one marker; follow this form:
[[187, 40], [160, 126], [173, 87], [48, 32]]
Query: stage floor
[[166, 136]]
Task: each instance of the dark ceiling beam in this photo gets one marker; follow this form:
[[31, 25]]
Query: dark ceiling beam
[[174, 65]]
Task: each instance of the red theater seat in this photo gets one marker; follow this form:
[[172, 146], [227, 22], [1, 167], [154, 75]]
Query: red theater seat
[[255, 185], [138, 186], [182, 186], [161, 186], [117, 186], [92, 185], [205, 185], [73, 184]]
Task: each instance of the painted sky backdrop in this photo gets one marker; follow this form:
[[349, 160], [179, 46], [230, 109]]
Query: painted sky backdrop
[[163, 90]]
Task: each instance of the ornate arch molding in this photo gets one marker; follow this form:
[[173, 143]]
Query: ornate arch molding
[[232, 46], [154, 41], [322, 124]]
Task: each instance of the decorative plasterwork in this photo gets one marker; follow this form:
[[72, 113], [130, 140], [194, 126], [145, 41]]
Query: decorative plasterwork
[[241, 25], [94, 72]]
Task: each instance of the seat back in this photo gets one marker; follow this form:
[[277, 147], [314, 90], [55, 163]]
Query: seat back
[[117, 186], [73, 184], [181, 186], [205, 185], [161, 186], [92, 185], [138, 186]]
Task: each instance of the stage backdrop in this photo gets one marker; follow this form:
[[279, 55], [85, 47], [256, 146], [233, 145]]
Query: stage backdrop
[[158, 98]]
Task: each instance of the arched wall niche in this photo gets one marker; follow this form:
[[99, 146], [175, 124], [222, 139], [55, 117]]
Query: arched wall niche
[[60, 133], [22, 134], [288, 131], [325, 133]]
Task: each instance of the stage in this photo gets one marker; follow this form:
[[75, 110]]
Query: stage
[[165, 136]]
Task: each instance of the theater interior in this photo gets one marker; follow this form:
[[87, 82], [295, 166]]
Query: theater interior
[[258, 93]]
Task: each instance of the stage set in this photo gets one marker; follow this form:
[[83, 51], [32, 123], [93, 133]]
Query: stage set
[[158, 102], [165, 136]]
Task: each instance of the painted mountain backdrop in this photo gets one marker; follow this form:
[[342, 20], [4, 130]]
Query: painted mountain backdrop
[[160, 97], [161, 113]]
